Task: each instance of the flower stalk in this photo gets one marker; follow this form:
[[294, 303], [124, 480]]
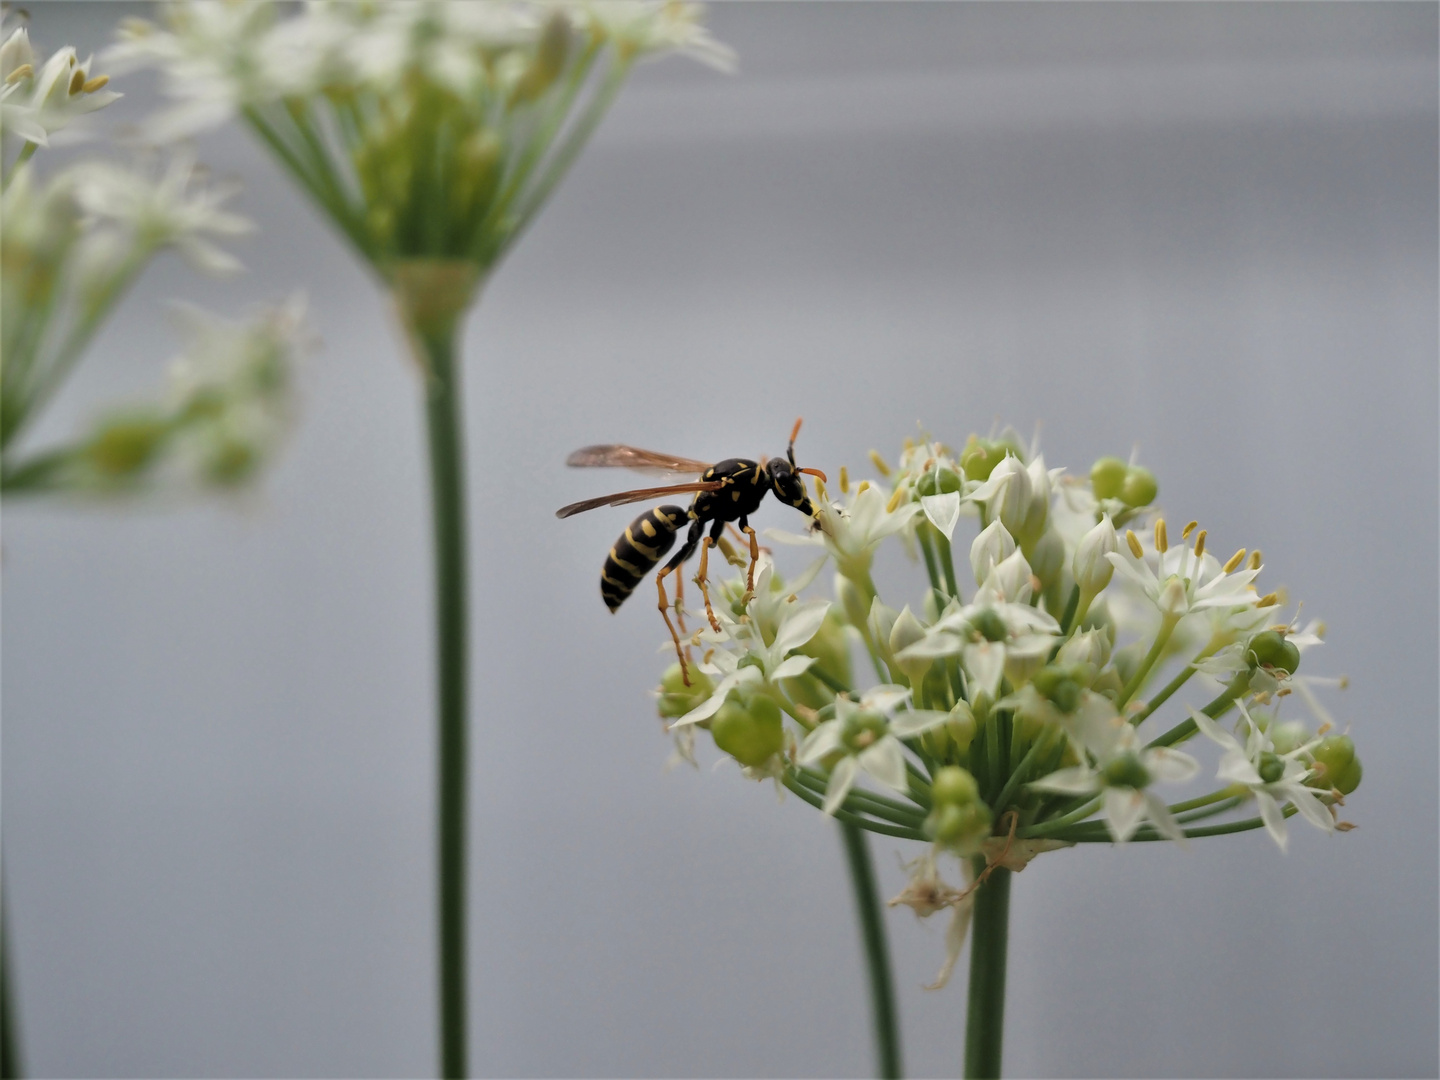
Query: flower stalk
[[985, 1006], [884, 1022]]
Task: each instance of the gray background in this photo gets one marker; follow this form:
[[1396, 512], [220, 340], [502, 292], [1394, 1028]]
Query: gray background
[[1208, 228]]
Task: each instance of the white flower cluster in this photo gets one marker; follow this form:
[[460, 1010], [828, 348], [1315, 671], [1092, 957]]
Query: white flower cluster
[[1014, 716], [40, 97], [425, 129]]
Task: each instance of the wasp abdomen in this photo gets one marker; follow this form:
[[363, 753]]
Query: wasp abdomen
[[639, 548]]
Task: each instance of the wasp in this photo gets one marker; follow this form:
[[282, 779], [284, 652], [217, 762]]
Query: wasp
[[726, 491]]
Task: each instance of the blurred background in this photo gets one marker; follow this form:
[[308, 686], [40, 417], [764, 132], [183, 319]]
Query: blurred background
[[1208, 228]]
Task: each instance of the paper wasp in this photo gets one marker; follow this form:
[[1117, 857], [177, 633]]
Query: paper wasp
[[729, 490]]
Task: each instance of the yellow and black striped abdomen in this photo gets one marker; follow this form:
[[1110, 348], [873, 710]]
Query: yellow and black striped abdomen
[[639, 548]]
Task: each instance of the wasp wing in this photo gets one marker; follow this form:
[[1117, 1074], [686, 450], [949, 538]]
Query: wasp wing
[[617, 455], [638, 495]]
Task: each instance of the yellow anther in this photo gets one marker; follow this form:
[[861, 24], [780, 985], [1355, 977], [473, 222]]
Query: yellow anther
[[864, 486], [1344, 682], [1254, 563], [95, 84], [24, 71], [709, 655], [844, 480], [1162, 542], [1185, 533], [1134, 542], [909, 443], [1321, 630], [1327, 726], [1200, 544], [1234, 561], [820, 490], [77, 81], [879, 463], [894, 500], [1268, 600]]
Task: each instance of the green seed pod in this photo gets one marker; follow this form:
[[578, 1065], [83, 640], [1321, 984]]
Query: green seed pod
[[1107, 477], [831, 649], [749, 729], [124, 446], [1342, 768], [1287, 736], [1270, 767], [231, 461], [980, 456], [862, 728], [1062, 684], [1271, 649], [937, 482], [988, 624], [1140, 487], [1126, 771], [677, 699], [959, 827]]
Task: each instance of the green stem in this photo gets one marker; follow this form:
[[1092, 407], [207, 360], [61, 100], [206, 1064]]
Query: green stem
[[946, 563], [1216, 709], [10, 1062], [869, 802], [985, 1009], [877, 956], [1147, 833], [1169, 688], [848, 818], [1137, 680], [443, 416]]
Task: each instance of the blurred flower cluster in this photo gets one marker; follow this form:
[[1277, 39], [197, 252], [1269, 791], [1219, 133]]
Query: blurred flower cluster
[[424, 130], [73, 243], [1019, 714]]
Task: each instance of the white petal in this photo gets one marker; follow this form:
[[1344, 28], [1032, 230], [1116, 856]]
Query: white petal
[[955, 935], [943, 510], [1165, 823], [1213, 731], [802, 622], [985, 662], [801, 583], [1274, 819], [1073, 781], [1311, 808], [885, 697], [916, 721], [820, 742], [885, 761], [842, 779], [1124, 809], [795, 665], [932, 647], [780, 536], [1175, 766]]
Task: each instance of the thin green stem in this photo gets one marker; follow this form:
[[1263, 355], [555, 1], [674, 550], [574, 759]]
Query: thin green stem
[[1217, 708], [877, 956], [985, 1009], [946, 563], [1167, 626], [1168, 690], [11, 1064], [857, 801], [1147, 833], [443, 416], [806, 795], [1002, 801]]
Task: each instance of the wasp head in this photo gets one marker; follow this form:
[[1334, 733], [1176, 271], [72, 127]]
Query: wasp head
[[786, 483]]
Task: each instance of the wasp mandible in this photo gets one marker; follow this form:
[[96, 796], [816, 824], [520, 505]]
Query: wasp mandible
[[729, 490]]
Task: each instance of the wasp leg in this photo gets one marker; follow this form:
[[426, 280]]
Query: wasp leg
[[701, 579], [680, 600], [665, 614], [754, 559], [673, 567]]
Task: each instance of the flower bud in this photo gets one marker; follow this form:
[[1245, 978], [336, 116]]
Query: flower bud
[[937, 481], [987, 623], [980, 456], [1126, 771], [959, 820], [1063, 684], [1341, 767], [905, 631], [1107, 477], [1090, 647], [126, 445], [831, 649], [1140, 487], [862, 729], [854, 601], [1007, 496], [1287, 736], [1271, 649], [677, 699], [1047, 559], [992, 547], [1091, 568], [953, 784], [748, 727], [1270, 767]]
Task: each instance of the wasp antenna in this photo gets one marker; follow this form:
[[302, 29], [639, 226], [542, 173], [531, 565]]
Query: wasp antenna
[[816, 472], [795, 431]]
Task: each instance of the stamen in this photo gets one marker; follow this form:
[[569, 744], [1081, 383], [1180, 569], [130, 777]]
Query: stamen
[[95, 84], [844, 480], [1200, 544], [77, 81], [1268, 600], [894, 500], [1162, 542], [24, 71], [1234, 561], [1185, 533], [864, 486], [1134, 542], [1254, 563], [879, 463], [820, 490]]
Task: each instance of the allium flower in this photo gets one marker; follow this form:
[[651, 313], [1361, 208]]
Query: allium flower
[[860, 740], [39, 98], [1185, 578], [1272, 779], [852, 531]]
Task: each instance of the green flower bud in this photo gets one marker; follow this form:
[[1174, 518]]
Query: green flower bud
[[959, 827], [1107, 477], [677, 699], [831, 649], [124, 446], [937, 481], [748, 728], [1287, 736], [1047, 557], [1126, 771], [1140, 487], [1271, 649], [1342, 768], [548, 62], [231, 461], [953, 784], [988, 624]]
